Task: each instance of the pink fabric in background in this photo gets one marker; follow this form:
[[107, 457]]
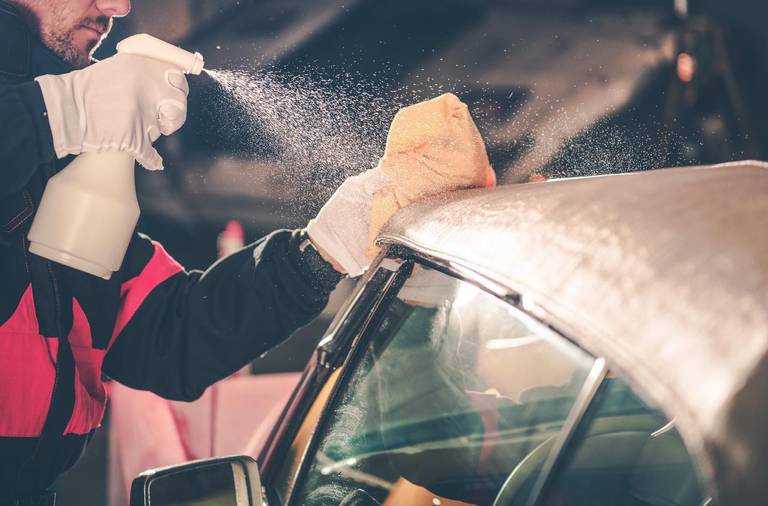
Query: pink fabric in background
[[235, 416]]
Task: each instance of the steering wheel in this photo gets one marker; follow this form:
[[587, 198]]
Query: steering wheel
[[532, 463], [622, 436]]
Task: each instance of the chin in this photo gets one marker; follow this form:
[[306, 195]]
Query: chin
[[86, 53]]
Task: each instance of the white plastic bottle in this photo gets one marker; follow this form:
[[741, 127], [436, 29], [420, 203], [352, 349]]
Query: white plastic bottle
[[89, 210]]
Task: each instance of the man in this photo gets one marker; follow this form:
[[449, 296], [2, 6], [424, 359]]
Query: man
[[153, 325]]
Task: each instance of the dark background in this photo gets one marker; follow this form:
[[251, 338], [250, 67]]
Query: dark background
[[560, 87]]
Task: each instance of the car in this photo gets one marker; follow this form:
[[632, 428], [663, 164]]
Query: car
[[587, 341]]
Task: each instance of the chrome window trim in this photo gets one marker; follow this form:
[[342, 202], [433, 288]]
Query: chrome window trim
[[587, 394], [454, 265]]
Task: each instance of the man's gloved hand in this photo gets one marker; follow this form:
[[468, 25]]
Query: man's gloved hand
[[433, 147], [340, 230], [122, 103]]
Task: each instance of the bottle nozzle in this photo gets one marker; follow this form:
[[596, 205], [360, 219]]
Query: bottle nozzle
[[151, 47]]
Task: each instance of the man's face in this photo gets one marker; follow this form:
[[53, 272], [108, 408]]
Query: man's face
[[73, 29]]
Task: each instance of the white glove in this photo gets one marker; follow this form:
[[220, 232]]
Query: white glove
[[122, 103], [340, 229]]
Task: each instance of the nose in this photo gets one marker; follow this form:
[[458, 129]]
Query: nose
[[114, 8]]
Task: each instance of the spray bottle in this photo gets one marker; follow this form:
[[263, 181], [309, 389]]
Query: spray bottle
[[89, 210]]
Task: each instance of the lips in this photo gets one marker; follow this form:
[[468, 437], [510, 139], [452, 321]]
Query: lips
[[95, 30]]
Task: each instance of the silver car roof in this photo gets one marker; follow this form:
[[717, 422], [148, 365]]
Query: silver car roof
[[664, 273]]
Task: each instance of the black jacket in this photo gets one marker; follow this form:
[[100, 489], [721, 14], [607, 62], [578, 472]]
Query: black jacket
[[153, 326]]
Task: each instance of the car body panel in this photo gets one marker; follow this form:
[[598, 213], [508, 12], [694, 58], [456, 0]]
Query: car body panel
[[663, 273]]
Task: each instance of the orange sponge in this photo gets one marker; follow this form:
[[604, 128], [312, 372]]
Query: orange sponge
[[432, 147]]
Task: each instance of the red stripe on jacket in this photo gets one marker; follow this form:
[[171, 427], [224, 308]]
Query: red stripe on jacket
[[27, 371], [90, 394], [134, 291]]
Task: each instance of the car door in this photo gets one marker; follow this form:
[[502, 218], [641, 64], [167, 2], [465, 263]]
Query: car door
[[453, 395]]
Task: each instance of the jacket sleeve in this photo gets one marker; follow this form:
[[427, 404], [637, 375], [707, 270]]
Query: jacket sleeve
[[177, 332], [25, 136]]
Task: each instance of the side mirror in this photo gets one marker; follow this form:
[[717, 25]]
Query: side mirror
[[223, 481]]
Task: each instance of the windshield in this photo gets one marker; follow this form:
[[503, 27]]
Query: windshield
[[453, 389]]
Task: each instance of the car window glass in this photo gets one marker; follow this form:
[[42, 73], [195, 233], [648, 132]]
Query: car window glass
[[454, 389], [626, 454]]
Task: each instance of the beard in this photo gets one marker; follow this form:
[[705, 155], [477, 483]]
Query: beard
[[60, 37], [62, 43], [57, 22]]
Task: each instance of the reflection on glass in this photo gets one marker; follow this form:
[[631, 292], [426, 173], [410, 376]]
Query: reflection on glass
[[454, 389], [627, 454], [221, 484]]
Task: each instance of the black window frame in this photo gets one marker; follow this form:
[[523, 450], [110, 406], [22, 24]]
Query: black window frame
[[334, 351]]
